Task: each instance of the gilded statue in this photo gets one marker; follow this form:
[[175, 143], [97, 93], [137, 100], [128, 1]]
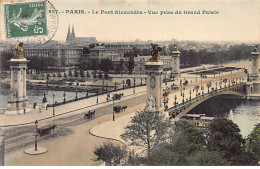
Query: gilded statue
[[255, 48], [175, 47], [156, 49], [19, 53]]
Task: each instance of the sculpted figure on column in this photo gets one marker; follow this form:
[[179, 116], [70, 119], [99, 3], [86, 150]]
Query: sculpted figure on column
[[19, 53]]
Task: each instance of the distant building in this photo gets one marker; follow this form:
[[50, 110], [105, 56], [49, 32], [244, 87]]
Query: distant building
[[140, 62], [73, 40], [67, 56]]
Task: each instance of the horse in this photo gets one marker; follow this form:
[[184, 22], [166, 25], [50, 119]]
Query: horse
[[90, 114], [45, 131], [124, 107]]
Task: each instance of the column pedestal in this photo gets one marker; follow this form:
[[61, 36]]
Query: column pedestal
[[18, 100], [154, 70]]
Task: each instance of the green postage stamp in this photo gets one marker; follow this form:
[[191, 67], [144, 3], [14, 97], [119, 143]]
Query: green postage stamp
[[25, 19]]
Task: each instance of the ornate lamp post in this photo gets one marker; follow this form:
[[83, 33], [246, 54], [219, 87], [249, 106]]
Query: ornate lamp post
[[97, 95], [201, 81], [114, 98], [115, 85], [181, 86], [141, 81], [183, 98], [190, 95], [44, 100], [53, 110], [134, 86], [64, 95], [36, 125], [76, 97], [87, 94], [48, 76], [175, 103]]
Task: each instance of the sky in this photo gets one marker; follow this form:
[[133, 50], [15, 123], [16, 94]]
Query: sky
[[236, 21]]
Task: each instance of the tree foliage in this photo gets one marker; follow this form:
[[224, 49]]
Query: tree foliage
[[130, 64], [225, 137], [106, 65], [207, 158], [5, 56], [41, 64], [253, 144], [146, 129], [163, 155], [109, 153]]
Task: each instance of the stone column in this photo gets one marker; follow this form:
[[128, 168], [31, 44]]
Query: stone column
[[2, 149], [18, 100], [154, 71], [175, 62], [254, 65]]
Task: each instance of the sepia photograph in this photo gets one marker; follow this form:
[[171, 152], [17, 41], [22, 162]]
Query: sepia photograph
[[129, 83]]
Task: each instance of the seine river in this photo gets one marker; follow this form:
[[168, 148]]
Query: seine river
[[246, 114], [37, 95]]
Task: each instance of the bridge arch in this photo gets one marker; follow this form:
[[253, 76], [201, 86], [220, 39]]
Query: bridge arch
[[178, 112]]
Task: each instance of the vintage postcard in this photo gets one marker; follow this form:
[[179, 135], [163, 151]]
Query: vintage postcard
[[129, 83]]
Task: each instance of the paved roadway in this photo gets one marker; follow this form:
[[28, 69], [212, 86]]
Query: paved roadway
[[77, 147]]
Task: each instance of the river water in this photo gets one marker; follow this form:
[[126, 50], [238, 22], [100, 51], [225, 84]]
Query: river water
[[246, 113], [37, 95]]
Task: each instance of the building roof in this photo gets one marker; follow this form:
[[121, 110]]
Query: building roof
[[52, 46], [207, 118], [192, 115]]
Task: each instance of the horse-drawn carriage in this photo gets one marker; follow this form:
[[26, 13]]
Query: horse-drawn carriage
[[46, 130], [118, 96], [90, 114], [119, 109]]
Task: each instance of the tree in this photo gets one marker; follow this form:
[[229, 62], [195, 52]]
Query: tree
[[207, 158], [164, 51], [76, 73], [82, 73], [109, 153], [147, 129], [70, 73], [106, 65], [119, 66], [88, 74], [163, 155], [5, 56], [225, 138], [253, 144], [130, 64], [187, 140], [93, 64], [100, 75]]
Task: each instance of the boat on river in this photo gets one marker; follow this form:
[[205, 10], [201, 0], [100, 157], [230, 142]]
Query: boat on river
[[198, 120]]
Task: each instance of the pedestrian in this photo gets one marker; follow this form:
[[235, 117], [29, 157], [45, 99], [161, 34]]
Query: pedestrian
[[24, 110], [47, 107]]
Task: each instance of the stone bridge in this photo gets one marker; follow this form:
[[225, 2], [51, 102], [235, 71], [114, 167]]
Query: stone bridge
[[176, 112]]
